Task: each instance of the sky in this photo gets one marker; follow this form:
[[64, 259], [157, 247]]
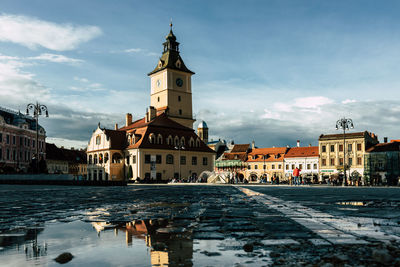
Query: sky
[[269, 71]]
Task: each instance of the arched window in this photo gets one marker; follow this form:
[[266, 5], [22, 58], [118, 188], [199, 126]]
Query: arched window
[[95, 159], [106, 158], [198, 143], [191, 142], [169, 140], [116, 158], [170, 159], [152, 138], [129, 140], [90, 159], [100, 158], [182, 141], [159, 139], [176, 141]]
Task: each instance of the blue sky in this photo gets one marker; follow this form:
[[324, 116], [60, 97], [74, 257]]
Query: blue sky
[[269, 71]]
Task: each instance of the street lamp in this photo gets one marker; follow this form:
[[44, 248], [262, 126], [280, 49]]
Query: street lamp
[[344, 124], [179, 147], [37, 110]]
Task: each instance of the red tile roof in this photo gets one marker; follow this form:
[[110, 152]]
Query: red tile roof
[[268, 154], [295, 152], [384, 147], [240, 148]]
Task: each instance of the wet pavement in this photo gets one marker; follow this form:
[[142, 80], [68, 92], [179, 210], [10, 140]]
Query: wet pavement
[[199, 225]]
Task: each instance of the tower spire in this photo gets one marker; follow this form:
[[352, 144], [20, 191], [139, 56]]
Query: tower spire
[[170, 25]]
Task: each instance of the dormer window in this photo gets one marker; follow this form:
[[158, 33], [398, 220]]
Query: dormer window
[[160, 64], [178, 64]]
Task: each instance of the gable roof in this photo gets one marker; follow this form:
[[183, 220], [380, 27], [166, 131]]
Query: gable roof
[[238, 148], [117, 138], [385, 147], [296, 152]]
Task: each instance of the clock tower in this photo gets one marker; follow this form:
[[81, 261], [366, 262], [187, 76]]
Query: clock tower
[[171, 87]]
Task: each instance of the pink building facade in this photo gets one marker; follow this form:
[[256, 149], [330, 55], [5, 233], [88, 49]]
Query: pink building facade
[[18, 141]]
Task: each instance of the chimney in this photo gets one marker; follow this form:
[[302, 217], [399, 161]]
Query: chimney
[[309, 145], [151, 113], [116, 126], [298, 143], [385, 139], [253, 145], [72, 148], [128, 119]]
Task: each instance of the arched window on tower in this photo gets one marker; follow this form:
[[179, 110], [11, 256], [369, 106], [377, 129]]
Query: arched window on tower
[[169, 140]]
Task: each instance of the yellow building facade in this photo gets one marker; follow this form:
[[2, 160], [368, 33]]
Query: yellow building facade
[[335, 153]]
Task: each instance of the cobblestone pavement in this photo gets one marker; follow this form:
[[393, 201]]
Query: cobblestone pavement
[[265, 225]]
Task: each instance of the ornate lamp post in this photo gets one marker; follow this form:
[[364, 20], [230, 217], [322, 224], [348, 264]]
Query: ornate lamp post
[[37, 110], [344, 124], [179, 147]]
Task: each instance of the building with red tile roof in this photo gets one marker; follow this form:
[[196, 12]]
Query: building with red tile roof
[[162, 145], [304, 158]]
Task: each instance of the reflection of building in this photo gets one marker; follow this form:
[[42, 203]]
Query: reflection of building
[[382, 164], [18, 140], [331, 152], [304, 158], [163, 144], [265, 162], [167, 249], [66, 161]]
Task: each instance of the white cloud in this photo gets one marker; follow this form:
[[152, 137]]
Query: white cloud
[[133, 50], [56, 58], [84, 80], [347, 101], [32, 32]]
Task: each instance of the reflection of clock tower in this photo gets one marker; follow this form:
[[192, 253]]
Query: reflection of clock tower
[[171, 84]]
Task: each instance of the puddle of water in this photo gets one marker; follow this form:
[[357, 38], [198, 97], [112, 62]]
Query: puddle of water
[[137, 243]]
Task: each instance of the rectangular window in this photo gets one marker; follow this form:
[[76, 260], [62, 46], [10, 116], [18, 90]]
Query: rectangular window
[[323, 163], [205, 161], [8, 154], [158, 159], [249, 167], [21, 140], [194, 160], [350, 161], [308, 166], [264, 167], [359, 161], [8, 139], [280, 166], [333, 162], [286, 167], [300, 166], [14, 155], [14, 140], [316, 167], [183, 160], [293, 167], [33, 143], [358, 147], [340, 148], [273, 166], [349, 147], [255, 167], [323, 149], [134, 159], [341, 161], [332, 148], [147, 159]]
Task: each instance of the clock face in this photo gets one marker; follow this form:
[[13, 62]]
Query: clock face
[[179, 82], [158, 83]]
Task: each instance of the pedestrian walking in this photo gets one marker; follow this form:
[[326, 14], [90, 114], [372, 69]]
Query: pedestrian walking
[[296, 173]]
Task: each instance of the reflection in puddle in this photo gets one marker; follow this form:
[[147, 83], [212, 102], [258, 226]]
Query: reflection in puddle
[[351, 203], [159, 242]]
